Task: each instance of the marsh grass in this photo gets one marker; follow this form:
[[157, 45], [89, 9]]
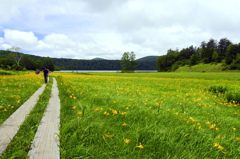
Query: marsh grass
[[231, 93], [20, 145], [134, 116], [14, 91]]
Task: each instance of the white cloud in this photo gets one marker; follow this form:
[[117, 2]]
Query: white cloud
[[21, 39], [57, 41], [85, 29]]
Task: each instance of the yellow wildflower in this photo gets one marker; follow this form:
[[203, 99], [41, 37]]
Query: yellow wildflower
[[224, 152], [74, 107], [1, 107], [5, 110], [191, 118], [123, 113], [238, 138], [216, 144], [114, 112], [124, 124], [219, 137], [126, 141], [79, 113], [140, 146], [106, 113], [234, 129], [220, 147], [213, 126]]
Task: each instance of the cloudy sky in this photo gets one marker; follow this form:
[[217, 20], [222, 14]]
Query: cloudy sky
[[85, 29]]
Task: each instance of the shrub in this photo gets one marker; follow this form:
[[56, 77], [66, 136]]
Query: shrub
[[218, 89], [233, 96], [2, 72]]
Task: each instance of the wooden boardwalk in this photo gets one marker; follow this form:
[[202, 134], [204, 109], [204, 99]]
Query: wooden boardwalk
[[46, 141], [11, 126]]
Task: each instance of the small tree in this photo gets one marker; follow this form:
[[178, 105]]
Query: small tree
[[193, 59], [125, 61], [15, 55], [133, 61], [215, 56], [128, 61]]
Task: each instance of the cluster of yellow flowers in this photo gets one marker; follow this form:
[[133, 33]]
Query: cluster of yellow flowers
[[73, 96]]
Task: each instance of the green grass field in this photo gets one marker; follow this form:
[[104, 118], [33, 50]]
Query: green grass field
[[141, 115], [148, 115], [15, 90]]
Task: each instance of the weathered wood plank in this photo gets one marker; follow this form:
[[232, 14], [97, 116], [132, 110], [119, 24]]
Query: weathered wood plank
[[11, 126], [46, 141]]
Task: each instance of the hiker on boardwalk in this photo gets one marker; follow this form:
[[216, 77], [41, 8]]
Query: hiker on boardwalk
[[45, 73]]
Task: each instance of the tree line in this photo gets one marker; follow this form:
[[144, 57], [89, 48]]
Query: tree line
[[223, 51], [13, 60]]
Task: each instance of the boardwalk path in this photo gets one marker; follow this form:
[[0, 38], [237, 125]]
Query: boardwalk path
[[11, 126], [45, 144]]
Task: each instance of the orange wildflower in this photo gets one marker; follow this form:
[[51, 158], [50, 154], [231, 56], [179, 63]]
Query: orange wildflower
[[124, 124], [114, 112]]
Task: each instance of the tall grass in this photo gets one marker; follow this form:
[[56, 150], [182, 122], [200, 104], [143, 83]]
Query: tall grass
[[145, 117], [232, 94], [15, 90]]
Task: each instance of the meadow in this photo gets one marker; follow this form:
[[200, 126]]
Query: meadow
[[15, 90], [148, 115], [133, 115]]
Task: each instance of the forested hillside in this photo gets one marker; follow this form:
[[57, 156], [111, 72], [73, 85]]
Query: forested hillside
[[31, 62], [224, 52]]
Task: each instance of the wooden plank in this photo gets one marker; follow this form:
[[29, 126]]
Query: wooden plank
[[46, 141], [11, 126]]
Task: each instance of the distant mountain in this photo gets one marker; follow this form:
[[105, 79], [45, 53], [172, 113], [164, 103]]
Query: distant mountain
[[149, 58], [98, 59]]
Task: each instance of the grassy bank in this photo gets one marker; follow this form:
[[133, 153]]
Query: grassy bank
[[201, 68]]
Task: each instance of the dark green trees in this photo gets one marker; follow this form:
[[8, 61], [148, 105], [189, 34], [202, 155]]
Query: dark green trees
[[208, 52], [15, 55], [128, 61]]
